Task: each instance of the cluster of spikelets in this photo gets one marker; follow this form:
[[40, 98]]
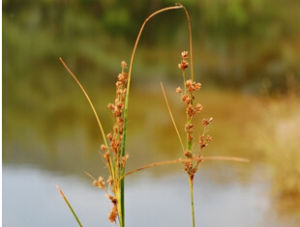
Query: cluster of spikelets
[[190, 87], [112, 151]]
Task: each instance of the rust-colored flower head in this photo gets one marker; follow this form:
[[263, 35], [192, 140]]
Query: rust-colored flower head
[[183, 65], [110, 181], [208, 138], [110, 106], [123, 64], [109, 136], [103, 147], [188, 154], [188, 83], [184, 54], [206, 122], [198, 86], [198, 108], [95, 183], [101, 182], [113, 214], [179, 90]]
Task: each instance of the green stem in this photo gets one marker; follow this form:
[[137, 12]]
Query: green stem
[[191, 181], [123, 148], [69, 205], [120, 210]]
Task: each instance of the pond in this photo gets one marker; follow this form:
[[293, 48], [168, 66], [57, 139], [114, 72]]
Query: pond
[[53, 146], [31, 199]]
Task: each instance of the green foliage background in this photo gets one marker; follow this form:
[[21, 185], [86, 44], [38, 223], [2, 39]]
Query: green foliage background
[[251, 45]]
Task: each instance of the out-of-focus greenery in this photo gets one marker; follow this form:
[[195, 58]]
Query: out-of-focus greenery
[[278, 141], [249, 44]]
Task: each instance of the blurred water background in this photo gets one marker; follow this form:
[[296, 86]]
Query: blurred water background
[[247, 58]]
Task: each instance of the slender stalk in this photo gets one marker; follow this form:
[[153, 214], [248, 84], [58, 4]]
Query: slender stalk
[[127, 100], [171, 115], [69, 205], [120, 209], [154, 165], [88, 99], [188, 18], [176, 161], [191, 182]]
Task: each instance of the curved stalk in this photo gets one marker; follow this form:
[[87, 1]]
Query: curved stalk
[[171, 115], [123, 148], [88, 99]]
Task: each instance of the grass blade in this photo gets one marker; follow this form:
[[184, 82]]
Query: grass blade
[[180, 160], [171, 115], [225, 158], [69, 205], [88, 99]]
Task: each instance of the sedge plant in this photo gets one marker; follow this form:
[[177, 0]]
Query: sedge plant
[[114, 143]]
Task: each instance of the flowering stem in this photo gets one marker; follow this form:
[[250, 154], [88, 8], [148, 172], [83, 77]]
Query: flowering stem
[[122, 216], [191, 181]]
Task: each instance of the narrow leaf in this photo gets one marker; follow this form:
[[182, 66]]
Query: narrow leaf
[[69, 205], [171, 115]]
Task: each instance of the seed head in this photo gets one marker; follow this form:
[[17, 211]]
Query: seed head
[[188, 154], [188, 83], [109, 136], [184, 54], [123, 64], [113, 214], [198, 86], [179, 90], [95, 183], [183, 65], [103, 147], [208, 138], [184, 97], [120, 76], [110, 181], [101, 182], [198, 108], [206, 122], [110, 106]]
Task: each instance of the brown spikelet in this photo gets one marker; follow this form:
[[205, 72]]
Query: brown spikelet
[[113, 214]]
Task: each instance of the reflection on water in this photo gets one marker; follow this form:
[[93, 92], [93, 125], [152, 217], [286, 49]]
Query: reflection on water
[[150, 201], [55, 143]]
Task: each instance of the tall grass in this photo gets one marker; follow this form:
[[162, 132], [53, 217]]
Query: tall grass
[[114, 143]]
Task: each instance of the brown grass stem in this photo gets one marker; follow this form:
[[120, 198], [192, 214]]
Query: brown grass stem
[[224, 158], [154, 164], [90, 175], [190, 39], [180, 160], [88, 99], [171, 115]]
